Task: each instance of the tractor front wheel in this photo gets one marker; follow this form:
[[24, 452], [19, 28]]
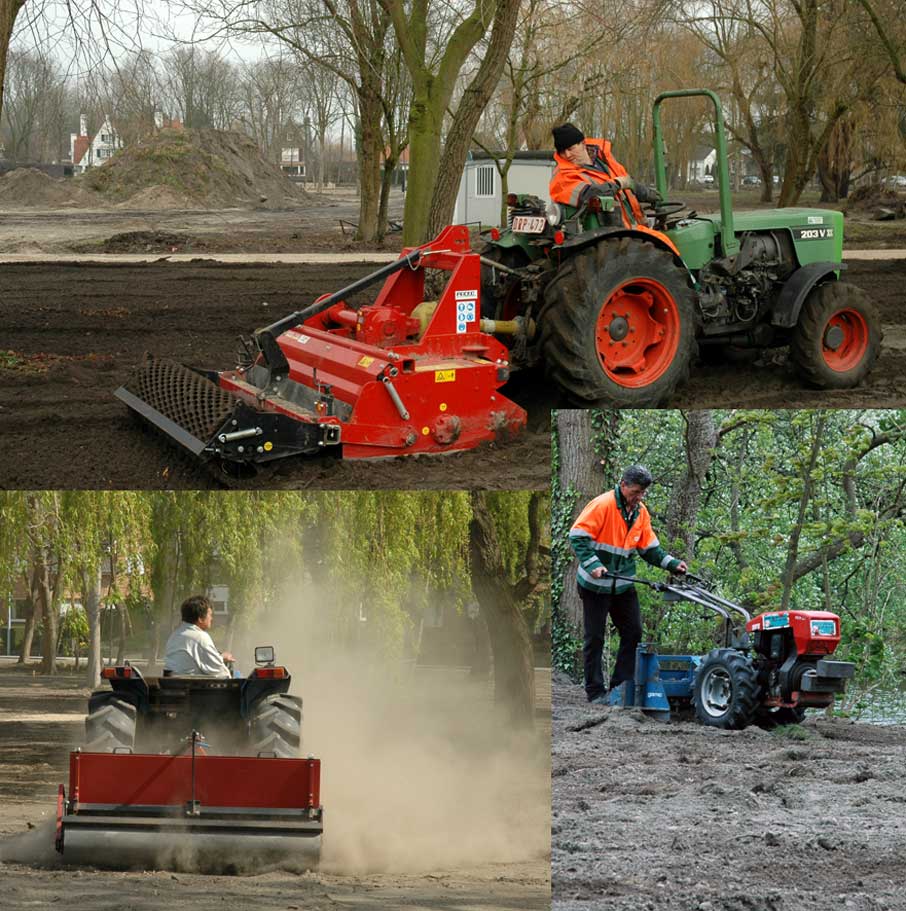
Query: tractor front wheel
[[276, 726], [838, 337], [110, 724], [725, 690], [619, 324]]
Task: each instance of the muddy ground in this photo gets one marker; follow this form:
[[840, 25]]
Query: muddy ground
[[679, 817], [77, 330], [42, 719]]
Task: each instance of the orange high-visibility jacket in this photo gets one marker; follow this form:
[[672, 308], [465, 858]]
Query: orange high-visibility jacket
[[570, 180], [607, 534]]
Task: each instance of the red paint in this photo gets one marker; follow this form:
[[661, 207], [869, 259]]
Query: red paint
[[220, 781]]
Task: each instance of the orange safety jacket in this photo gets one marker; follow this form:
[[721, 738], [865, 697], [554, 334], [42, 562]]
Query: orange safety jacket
[[569, 180], [608, 534]]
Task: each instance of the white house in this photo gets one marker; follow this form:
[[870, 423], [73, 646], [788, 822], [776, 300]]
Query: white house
[[90, 151], [702, 162], [479, 198]]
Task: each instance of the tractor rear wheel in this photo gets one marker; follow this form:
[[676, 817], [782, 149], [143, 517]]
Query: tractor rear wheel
[[276, 725], [619, 324], [838, 337], [110, 723], [768, 719], [725, 690]]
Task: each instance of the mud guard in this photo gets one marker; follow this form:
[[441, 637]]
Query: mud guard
[[796, 290], [642, 232]]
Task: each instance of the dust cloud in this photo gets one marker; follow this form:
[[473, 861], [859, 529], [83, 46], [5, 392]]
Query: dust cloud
[[36, 847], [419, 769]]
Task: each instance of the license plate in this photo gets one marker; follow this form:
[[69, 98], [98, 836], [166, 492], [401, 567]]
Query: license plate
[[824, 628], [524, 224]]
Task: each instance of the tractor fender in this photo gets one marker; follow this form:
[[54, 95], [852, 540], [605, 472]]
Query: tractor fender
[[796, 290], [590, 238]]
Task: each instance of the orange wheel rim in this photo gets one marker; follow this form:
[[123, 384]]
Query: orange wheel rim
[[845, 340], [637, 333]]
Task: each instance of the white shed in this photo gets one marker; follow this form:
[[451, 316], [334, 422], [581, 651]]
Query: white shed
[[479, 196]]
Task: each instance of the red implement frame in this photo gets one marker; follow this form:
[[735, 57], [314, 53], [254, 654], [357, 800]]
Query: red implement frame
[[402, 392]]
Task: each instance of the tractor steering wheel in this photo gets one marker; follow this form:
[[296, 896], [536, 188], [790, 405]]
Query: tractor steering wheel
[[663, 210]]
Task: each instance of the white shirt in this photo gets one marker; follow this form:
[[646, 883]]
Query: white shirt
[[191, 651]]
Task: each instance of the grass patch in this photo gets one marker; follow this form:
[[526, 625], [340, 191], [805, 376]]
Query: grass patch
[[792, 732]]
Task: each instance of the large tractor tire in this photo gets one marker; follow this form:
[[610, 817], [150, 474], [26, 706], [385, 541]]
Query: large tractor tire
[[276, 726], [725, 690], [838, 337], [768, 719], [619, 324], [501, 293], [110, 723]]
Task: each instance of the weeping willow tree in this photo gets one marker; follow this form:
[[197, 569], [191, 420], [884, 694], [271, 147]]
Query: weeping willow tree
[[140, 553]]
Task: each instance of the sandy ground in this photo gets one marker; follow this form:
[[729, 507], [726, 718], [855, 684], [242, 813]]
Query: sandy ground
[[41, 720], [679, 817]]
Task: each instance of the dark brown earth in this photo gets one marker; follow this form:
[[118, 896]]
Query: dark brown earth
[[76, 330], [42, 719], [680, 817]]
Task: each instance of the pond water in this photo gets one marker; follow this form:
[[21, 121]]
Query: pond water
[[878, 706]]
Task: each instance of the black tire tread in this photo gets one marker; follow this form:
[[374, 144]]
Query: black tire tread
[[746, 690], [805, 344], [572, 302], [110, 723], [276, 725]]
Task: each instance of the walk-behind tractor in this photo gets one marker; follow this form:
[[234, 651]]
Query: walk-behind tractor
[[397, 377], [196, 772], [770, 669], [617, 314]]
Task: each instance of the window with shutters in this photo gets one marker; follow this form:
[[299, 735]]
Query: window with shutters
[[484, 180]]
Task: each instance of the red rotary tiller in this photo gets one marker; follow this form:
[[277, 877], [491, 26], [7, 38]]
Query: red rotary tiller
[[397, 377]]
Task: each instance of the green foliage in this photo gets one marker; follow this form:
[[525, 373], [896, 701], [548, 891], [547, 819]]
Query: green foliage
[[792, 732]]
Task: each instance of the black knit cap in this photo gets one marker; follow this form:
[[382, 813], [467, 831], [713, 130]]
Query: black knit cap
[[566, 136]]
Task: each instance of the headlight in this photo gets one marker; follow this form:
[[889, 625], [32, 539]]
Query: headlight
[[552, 211]]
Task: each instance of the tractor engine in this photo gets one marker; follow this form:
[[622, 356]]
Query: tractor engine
[[791, 650], [738, 291]]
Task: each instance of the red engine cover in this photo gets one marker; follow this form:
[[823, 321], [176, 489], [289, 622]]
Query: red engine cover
[[814, 632]]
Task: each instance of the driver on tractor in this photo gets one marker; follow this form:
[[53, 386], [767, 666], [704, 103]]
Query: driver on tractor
[[190, 649], [587, 168]]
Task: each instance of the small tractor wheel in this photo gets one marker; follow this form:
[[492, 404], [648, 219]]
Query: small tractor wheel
[[276, 725], [768, 719], [725, 690], [501, 293], [619, 324], [110, 723], [838, 337]]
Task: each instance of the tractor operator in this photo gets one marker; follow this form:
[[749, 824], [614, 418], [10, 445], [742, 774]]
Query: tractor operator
[[190, 649], [609, 532], [586, 168]]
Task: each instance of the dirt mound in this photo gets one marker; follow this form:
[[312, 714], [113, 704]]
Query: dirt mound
[[159, 199], [875, 202], [30, 187], [211, 168], [147, 242]]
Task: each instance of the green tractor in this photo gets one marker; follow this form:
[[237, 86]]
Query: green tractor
[[618, 318]]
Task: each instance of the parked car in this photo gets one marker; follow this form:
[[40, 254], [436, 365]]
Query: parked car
[[708, 179], [751, 180], [896, 182]]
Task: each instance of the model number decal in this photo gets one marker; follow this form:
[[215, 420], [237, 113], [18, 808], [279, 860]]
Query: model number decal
[[825, 233]]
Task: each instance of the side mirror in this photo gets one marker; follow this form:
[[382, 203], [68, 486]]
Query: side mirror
[[265, 655]]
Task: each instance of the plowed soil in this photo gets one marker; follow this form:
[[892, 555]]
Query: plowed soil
[[76, 330], [681, 817]]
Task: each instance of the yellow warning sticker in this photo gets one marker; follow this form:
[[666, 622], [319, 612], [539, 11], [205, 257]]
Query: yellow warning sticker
[[365, 361], [444, 376]]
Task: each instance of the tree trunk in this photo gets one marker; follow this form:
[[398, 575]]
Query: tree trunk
[[9, 10], [499, 601], [682, 513], [123, 633], [91, 595], [578, 481], [468, 112], [425, 125], [46, 598]]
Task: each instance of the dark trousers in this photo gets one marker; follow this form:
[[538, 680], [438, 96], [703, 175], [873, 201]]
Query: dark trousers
[[627, 618]]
